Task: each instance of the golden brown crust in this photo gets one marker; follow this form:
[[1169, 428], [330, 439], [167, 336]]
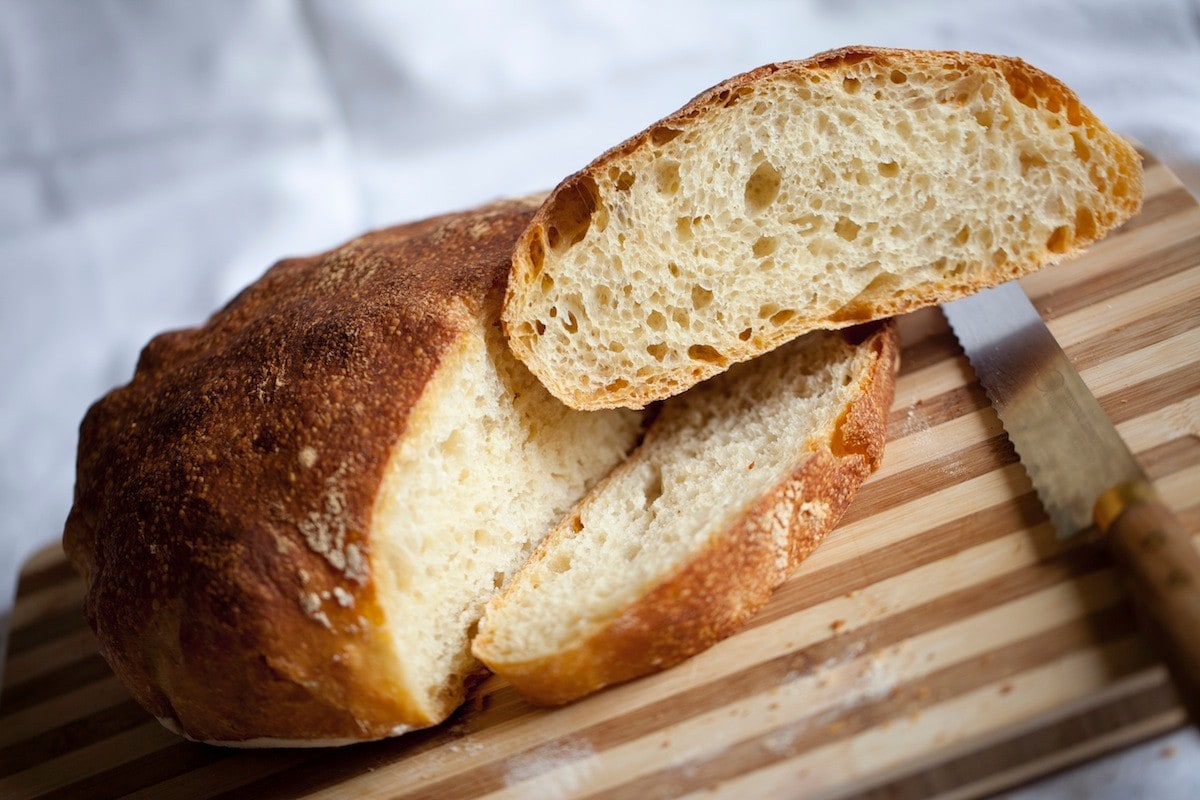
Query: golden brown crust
[[223, 500], [1028, 84], [713, 594]]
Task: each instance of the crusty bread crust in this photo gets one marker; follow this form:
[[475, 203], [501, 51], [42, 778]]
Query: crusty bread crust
[[568, 204], [223, 504], [713, 594]]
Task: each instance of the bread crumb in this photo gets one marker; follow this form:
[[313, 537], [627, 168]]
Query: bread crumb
[[837, 625], [344, 598], [307, 457], [311, 603]]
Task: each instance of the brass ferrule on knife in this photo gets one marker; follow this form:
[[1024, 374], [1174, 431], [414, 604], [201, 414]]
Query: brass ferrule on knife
[[1113, 502]]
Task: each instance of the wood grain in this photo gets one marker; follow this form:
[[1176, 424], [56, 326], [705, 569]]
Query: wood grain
[[942, 642]]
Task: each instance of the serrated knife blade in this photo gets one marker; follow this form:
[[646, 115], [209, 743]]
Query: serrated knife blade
[[1081, 468]]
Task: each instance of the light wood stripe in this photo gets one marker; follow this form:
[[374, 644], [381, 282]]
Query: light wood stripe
[[942, 642]]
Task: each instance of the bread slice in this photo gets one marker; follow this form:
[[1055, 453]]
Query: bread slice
[[815, 194], [736, 482], [290, 520]]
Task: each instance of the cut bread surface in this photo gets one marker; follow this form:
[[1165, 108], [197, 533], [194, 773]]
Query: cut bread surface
[[812, 194], [736, 481], [489, 464]]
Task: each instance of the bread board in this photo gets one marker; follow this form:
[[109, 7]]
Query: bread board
[[942, 642]]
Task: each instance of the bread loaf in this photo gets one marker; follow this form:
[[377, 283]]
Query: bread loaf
[[290, 519], [736, 482], [815, 194]]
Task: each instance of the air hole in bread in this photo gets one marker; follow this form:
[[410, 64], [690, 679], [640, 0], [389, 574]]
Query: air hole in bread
[[683, 229], [654, 487], [656, 321], [1085, 224], [624, 181], [540, 327], [560, 563], [1060, 240], [766, 265], [847, 229], [888, 169], [547, 283], [571, 214], [765, 246], [767, 310], [537, 253], [762, 187], [780, 317], [570, 324], [737, 96], [666, 177], [1030, 161], [1074, 112], [658, 350], [897, 76], [963, 236], [662, 134], [851, 85], [673, 268], [701, 297], [604, 296], [706, 353], [746, 334], [860, 307], [1081, 148], [999, 257]]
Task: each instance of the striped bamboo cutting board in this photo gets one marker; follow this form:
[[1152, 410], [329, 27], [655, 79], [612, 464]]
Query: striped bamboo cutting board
[[941, 642]]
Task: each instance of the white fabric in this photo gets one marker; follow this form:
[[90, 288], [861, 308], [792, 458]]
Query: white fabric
[[155, 157]]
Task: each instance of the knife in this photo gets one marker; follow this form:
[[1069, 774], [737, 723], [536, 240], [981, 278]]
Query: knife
[[1082, 470]]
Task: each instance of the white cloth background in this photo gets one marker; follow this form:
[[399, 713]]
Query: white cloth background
[[156, 157]]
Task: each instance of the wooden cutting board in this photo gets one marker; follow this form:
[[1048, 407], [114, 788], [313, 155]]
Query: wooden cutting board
[[941, 642]]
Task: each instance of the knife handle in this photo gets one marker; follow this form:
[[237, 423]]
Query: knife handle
[[1163, 567]]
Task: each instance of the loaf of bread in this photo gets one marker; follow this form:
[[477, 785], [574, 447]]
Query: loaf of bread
[[291, 518], [737, 480], [815, 194]]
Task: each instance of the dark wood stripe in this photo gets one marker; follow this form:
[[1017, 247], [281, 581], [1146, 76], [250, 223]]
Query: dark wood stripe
[[927, 479], [1103, 627], [1140, 270], [47, 629], [141, 772], [1018, 753], [806, 589], [1170, 457], [1130, 338], [49, 685], [30, 752], [930, 412], [52, 575], [929, 351], [1150, 395]]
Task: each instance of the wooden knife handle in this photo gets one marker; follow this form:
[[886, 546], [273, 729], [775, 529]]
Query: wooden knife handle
[[1163, 567]]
